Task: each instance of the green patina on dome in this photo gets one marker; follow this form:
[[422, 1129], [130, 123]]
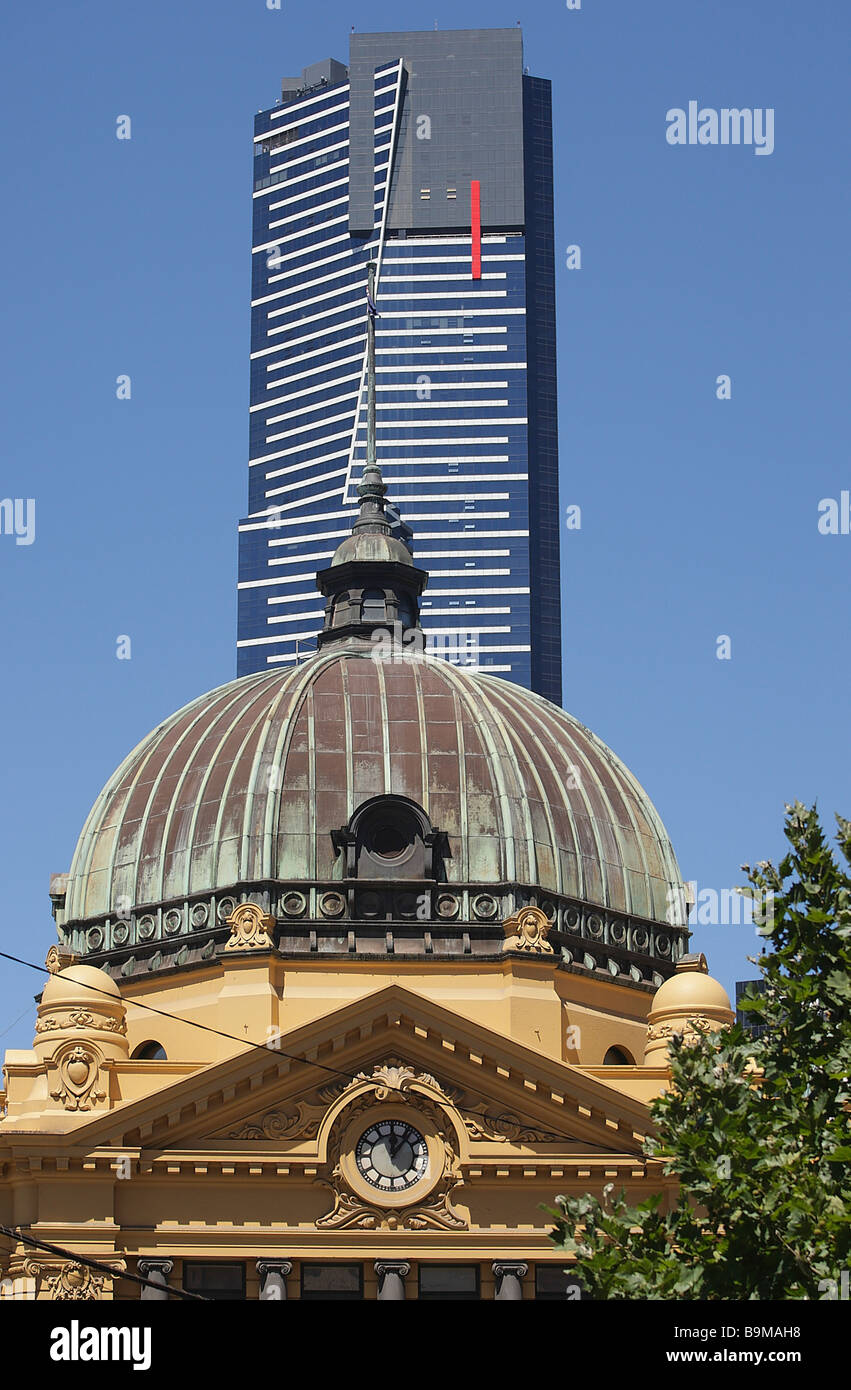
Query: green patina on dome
[[247, 783]]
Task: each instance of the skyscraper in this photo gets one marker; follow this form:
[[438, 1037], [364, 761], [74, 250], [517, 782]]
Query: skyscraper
[[431, 154]]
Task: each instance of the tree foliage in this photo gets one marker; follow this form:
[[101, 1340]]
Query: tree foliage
[[755, 1129]]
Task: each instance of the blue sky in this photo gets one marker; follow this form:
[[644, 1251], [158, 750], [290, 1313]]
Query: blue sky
[[699, 516]]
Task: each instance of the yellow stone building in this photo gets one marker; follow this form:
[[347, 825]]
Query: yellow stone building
[[360, 963]]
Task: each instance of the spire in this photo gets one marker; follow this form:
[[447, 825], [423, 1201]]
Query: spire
[[371, 586], [371, 489]]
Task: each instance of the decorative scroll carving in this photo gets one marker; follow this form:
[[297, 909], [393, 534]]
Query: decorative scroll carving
[[69, 1280], [251, 929], [394, 1082], [527, 931], [75, 1281], [503, 1128], [79, 1071], [432, 1213], [80, 1018], [690, 1030], [59, 958], [303, 1123]]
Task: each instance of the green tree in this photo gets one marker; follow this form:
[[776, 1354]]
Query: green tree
[[756, 1130]]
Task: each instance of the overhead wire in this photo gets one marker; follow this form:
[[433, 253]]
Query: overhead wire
[[245, 1043]]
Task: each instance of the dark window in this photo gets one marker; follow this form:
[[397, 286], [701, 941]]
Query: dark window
[[341, 610], [150, 1051], [374, 606], [618, 1057], [551, 1281], [459, 1282], [331, 1281], [214, 1279]]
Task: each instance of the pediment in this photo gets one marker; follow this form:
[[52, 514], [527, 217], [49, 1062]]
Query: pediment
[[284, 1099]]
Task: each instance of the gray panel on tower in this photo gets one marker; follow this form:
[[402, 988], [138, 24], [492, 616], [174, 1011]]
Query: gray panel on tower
[[461, 119]]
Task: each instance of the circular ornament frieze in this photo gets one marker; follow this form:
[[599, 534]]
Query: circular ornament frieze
[[172, 921], [447, 906], [294, 904], [617, 932], [594, 927], [225, 908], [485, 906], [199, 915], [332, 904], [639, 939], [94, 939], [407, 904], [120, 933], [369, 904], [146, 928]]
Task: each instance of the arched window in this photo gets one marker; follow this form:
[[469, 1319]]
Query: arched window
[[150, 1051], [340, 612], [618, 1057], [374, 608], [407, 613]]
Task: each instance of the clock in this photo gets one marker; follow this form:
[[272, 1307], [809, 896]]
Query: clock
[[391, 1155]]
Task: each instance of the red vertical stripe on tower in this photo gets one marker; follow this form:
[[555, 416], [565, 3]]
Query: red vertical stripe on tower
[[476, 224]]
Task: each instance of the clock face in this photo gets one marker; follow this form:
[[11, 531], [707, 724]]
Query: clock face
[[391, 1155]]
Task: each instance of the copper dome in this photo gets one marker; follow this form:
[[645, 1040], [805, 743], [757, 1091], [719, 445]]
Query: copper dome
[[249, 782]]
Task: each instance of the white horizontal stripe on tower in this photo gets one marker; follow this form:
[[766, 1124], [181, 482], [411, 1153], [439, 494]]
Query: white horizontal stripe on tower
[[303, 501], [313, 154], [391, 259], [309, 284], [279, 241], [327, 313], [293, 433], [322, 115], [308, 409], [310, 211], [460, 574], [297, 105], [429, 443], [288, 274], [446, 385], [449, 367], [452, 554], [447, 424], [463, 313], [468, 612], [299, 448], [423, 350], [310, 300], [420, 279], [336, 167], [310, 193], [383, 406], [317, 318], [312, 371], [317, 352], [307, 391], [446, 294], [305, 139], [305, 250], [440, 480], [306, 482]]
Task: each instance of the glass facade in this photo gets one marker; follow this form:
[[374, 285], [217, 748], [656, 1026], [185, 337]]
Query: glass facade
[[378, 162]]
